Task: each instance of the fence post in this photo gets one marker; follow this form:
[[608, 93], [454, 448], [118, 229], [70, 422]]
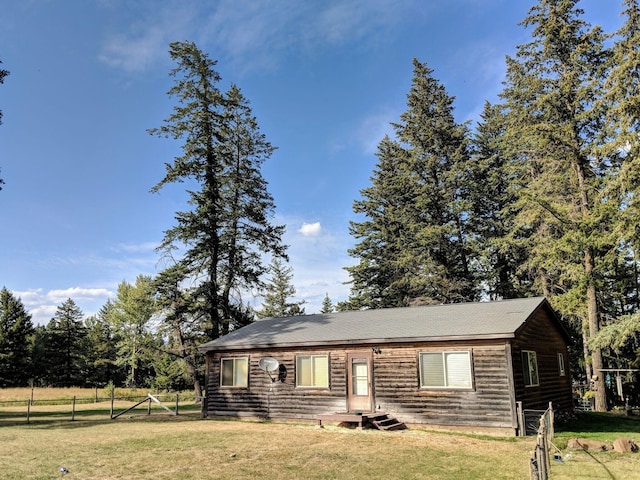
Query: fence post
[[112, 394], [73, 409], [522, 428], [28, 410], [177, 402]]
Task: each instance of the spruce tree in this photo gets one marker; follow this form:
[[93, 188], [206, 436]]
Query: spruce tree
[[553, 128], [499, 248], [16, 330], [327, 304], [181, 326], [229, 228], [279, 292], [66, 347], [413, 246], [102, 352]]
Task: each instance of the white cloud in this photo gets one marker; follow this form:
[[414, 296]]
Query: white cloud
[[253, 35], [310, 229], [78, 294], [43, 305]]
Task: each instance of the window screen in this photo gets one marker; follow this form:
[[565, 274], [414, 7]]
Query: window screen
[[235, 372], [312, 371], [445, 369]]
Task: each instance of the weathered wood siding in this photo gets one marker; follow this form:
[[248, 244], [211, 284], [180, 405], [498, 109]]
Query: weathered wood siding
[[541, 335], [266, 399], [395, 383], [487, 404]]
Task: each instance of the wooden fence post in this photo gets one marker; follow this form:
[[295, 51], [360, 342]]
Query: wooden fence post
[[112, 394], [522, 428], [28, 410], [73, 409], [177, 402]]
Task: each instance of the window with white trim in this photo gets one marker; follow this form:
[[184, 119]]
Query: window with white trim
[[234, 372], [561, 369], [530, 368], [445, 370], [312, 371]]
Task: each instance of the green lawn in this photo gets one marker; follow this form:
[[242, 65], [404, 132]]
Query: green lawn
[[160, 446]]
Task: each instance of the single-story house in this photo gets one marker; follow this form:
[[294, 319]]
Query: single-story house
[[472, 366]]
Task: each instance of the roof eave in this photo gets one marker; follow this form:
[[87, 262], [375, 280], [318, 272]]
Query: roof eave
[[369, 341]]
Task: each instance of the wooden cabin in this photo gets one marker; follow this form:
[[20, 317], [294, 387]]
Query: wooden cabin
[[469, 366]]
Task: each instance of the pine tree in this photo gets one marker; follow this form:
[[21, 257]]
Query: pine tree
[[183, 328], [620, 151], [229, 229], [327, 305], [552, 132], [102, 353], [16, 330], [278, 293], [499, 247], [413, 246], [382, 277], [66, 346]]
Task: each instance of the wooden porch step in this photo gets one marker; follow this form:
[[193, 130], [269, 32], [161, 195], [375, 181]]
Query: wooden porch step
[[388, 423]]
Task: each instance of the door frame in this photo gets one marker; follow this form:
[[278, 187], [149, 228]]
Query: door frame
[[360, 403]]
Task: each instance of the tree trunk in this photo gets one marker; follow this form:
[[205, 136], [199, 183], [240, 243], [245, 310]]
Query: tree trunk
[[594, 327]]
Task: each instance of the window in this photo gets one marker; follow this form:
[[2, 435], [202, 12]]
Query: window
[[445, 369], [530, 368], [561, 370], [312, 371], [234, 372]]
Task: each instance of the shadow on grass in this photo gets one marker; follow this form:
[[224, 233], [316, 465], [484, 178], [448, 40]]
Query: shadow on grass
[[90, 417], [599, 422]]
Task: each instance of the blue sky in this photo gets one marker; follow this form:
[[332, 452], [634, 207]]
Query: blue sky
[[325, 79]]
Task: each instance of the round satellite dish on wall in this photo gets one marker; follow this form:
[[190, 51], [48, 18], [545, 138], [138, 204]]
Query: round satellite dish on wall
[[268, 364]]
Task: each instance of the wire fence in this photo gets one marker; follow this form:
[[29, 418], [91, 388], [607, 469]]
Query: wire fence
[[540, 462], [96, 407]]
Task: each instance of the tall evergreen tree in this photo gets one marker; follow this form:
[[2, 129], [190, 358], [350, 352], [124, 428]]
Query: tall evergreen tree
[[182, 324], [16, 330], [65, 347], [620, 151], [130, 317], [102, 353], [278, 293], [229, 227], [499, 247], [413, 246], [552, 129]]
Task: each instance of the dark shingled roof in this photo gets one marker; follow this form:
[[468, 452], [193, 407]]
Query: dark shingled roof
[[463, 321]]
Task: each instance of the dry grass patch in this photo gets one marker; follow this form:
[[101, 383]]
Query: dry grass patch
[[163, 447]]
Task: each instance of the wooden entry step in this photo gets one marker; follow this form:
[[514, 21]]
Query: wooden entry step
[[386, 422]]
